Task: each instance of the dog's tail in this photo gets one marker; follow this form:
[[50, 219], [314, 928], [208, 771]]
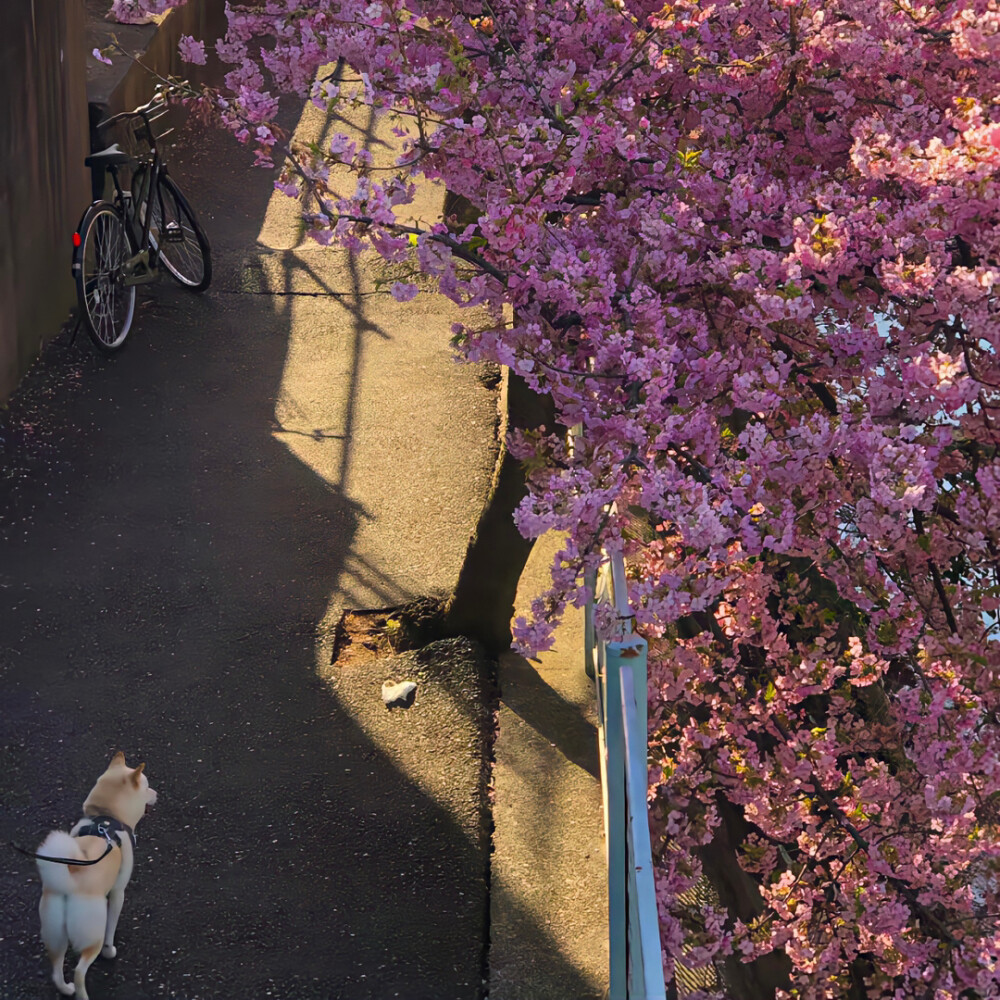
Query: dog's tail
[[58, 877]]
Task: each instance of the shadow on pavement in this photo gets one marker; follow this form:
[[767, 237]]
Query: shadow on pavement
[[555, 718], [165, 563]]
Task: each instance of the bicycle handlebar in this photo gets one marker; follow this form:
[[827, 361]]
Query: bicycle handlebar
[[146, 112]]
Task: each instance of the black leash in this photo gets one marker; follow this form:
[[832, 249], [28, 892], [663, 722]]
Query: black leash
[[62, 861], [99, 826]]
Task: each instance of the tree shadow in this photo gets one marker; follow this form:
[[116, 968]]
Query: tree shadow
[[558, 720]]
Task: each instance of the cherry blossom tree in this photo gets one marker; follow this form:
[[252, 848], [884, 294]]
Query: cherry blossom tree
[[749, 249]]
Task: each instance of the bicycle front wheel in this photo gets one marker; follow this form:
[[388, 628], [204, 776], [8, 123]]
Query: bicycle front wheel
[[174, 232], [107, 303]]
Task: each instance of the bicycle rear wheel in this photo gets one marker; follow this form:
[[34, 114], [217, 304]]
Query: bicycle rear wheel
[[106, 302], [175, 233]]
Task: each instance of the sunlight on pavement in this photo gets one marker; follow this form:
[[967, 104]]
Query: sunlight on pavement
[[372, 402]]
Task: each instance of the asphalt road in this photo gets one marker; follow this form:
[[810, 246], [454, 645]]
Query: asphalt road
[[179, 528]]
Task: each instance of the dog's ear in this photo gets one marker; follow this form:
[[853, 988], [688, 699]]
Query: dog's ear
[[136, 773], [119, 758]]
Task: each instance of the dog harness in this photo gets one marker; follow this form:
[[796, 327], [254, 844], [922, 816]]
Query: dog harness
[[107, 827]]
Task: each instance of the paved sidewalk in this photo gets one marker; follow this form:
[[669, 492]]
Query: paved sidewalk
[[180, 530], [548, 859]]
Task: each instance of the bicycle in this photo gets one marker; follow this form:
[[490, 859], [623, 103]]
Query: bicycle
[[120, 243]]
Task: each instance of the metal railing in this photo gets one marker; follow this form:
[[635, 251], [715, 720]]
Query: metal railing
[[618, 667]]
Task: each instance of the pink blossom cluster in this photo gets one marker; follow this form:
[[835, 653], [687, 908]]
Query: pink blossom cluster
[[751, 248]]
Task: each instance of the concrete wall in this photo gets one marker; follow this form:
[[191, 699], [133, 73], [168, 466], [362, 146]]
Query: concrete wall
[[126, 84], [44, 187]]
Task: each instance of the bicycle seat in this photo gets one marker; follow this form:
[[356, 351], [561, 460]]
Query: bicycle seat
[[110, 157]]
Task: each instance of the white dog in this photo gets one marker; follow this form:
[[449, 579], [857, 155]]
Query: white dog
[[84, 872]]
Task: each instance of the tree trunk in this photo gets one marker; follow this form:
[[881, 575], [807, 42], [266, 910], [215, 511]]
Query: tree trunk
[[482, 603], [738, 893]]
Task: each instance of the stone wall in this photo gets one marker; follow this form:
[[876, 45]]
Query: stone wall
[[44, 187]]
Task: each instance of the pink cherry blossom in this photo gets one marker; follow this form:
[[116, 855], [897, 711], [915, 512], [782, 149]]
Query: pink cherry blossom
[[403, 291], [192, 50], [751, 249]]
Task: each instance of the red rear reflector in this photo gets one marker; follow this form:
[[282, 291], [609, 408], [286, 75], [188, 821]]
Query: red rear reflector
[[76, 239]]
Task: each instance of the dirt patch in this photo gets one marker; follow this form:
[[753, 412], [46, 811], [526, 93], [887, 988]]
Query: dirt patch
[[455, 677], [361, 636], [370, 634]]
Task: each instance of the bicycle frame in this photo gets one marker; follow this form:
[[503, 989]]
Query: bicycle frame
[[122, 238], [142, 266]]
